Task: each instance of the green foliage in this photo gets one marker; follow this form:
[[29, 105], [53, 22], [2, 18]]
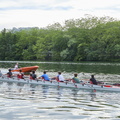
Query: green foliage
[[7, 46], [89, 38]]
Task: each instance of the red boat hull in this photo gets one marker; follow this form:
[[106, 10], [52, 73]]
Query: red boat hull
[[26, 69]]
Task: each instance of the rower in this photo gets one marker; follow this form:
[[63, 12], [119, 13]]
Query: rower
[[44, 76], [60, 77], [33, 76], [9, 74], [20, 75], [75, 79], [93, 80]]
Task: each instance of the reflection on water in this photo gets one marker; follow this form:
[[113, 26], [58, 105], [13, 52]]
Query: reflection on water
[[23, 101], [93, 95], [45, 90]]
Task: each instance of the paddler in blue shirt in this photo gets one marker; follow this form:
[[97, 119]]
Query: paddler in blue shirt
[[45, 76]]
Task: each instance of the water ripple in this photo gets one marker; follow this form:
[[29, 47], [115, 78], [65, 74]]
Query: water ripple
[[19, 101]]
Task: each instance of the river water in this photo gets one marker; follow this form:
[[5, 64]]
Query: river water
[[35, 102]]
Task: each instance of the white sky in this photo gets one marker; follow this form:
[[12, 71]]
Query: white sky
[[40, 13]]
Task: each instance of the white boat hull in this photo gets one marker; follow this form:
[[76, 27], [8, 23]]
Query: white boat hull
[[61, 84]]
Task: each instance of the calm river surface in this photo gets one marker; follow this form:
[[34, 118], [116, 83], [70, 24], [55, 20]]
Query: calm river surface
[[35, 102]]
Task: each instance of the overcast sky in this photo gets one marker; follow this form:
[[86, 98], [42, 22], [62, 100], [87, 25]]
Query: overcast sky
[[40, 13]]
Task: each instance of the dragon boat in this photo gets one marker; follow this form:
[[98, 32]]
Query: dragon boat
[[66, 84]]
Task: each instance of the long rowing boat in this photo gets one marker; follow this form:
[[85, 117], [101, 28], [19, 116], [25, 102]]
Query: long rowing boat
[[87, 86]]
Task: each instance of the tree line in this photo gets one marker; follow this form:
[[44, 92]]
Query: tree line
[[86, 39]]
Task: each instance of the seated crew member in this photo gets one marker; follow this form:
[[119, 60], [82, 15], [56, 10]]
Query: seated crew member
[[93, 80], [60, 77], [20, 75], [45, 76], [33, 76], [9, 74], [75, 79]]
